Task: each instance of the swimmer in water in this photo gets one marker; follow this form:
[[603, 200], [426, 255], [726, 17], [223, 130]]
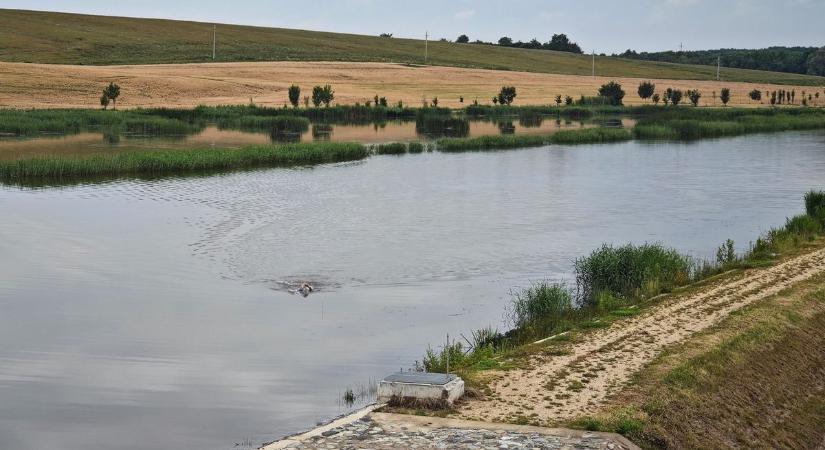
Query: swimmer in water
[[304, 290]]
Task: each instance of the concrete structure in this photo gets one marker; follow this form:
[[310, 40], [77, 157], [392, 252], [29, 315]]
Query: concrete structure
[[418, 386]]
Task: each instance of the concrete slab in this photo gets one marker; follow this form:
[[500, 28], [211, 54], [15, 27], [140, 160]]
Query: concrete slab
[[419, 386]]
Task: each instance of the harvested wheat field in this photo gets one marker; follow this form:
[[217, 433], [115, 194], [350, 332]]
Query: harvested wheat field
[[265, 83]]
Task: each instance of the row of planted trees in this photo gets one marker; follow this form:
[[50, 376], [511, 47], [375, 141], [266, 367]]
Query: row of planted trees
[[782, 96], [671, 96]]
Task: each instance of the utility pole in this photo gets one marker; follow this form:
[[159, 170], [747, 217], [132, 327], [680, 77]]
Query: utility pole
[[214, 40], [426, 46]]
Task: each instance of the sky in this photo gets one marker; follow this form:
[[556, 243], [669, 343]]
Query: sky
[[606, 26]]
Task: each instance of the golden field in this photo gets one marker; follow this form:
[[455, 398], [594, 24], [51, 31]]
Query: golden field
[[25, 85]]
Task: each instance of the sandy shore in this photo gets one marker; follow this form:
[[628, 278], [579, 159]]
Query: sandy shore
[[187, 85], [551, 388]]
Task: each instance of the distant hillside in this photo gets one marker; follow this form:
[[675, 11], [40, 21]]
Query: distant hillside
[[58, 38], [775, 59]]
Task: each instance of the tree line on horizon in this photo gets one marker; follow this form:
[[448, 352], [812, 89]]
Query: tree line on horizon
[[558, 42], [801, 60]]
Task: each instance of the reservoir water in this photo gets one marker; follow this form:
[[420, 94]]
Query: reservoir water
[[156, 314]]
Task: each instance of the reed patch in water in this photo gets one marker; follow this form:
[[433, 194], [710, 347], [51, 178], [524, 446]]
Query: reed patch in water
[[156, 163]]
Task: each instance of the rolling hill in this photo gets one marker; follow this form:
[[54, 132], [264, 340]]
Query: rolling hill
[[62, 38]]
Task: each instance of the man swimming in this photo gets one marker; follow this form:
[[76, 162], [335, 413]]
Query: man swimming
[[305, 289]]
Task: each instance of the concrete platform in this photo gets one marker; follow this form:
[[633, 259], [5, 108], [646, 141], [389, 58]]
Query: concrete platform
[[419, 386]]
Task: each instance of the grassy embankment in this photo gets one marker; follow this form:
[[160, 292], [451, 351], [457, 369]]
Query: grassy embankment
[[613, 283], [756, 380], [59, 38]]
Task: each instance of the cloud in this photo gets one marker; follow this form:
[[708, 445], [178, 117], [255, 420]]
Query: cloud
[[465, 14]]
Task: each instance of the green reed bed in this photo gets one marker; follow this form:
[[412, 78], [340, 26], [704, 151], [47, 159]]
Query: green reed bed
[[65, 121], [590, 136], [573, 112], [331, 114], [278, 124], [490, 143], [567, 137], [157, 163], [392, 148], [688, 123]]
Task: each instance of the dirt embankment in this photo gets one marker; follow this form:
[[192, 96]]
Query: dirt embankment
[[187, 85], [581, 380]]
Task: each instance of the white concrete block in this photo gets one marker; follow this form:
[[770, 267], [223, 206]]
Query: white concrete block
[[421, 386]]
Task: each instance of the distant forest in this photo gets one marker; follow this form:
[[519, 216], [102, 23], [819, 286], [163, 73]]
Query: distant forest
[[802, 60]]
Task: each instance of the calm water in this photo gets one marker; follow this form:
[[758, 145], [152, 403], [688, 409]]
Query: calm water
[[154, 315], [91, 143]]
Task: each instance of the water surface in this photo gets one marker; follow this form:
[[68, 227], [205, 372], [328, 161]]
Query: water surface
[[155, 315]]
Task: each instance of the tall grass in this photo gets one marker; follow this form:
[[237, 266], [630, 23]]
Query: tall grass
[[490, 143], [177, 162], [631, 271], [690, 124], [275, 124], [539, 301], [392, 148], [591, 136], [566, 137], [815, 204], [33, 122]]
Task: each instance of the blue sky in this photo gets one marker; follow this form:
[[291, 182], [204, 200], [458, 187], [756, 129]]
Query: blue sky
[[606, 26]]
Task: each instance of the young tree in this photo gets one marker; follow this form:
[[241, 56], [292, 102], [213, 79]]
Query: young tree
[[104, 101], [306, 101], [668, 95], [655, 99], [435, 102], [463, 39], [793, 95], [383, 101], [317, 96], [755, 95], [773, 98], [676, 97], [294, 95], [507, 95], [613, 92], [558, 100], [328, 95], [568, 100], [646, 90], [495, 100], [724, 95], [376, 99], [694, 95], [112, 92]]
